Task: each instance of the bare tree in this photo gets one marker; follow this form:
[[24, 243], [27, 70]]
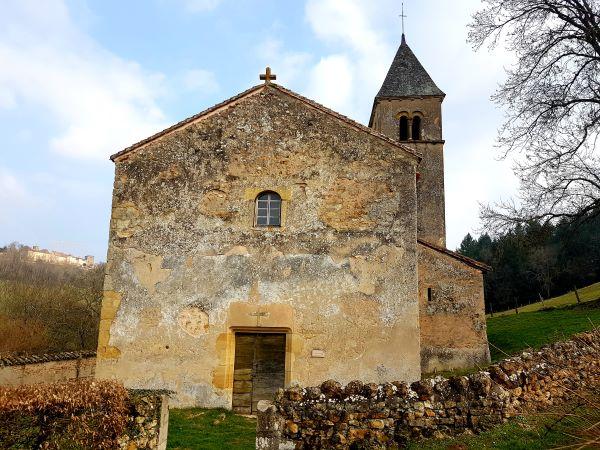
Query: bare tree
[[552, 98], [47, 307]]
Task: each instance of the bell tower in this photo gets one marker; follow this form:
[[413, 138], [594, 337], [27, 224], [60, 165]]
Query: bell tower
[[408, 108]]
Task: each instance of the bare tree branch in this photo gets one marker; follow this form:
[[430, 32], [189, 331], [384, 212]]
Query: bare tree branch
[[552, 99]]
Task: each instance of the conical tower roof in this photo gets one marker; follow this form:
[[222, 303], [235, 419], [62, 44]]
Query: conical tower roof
[[407, 77]]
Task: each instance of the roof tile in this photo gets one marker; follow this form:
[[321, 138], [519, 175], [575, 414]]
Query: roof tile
[[36, 359], [465, 259], [407, 77]]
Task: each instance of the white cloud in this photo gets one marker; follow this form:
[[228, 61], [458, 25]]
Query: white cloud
[[7, 98], [200, 5], [361, 57], [200, 80], [331, 82], [14, 197], [361, 41], [345, 22], [472, 176], [10, 188], [289, 66], [101, 102]]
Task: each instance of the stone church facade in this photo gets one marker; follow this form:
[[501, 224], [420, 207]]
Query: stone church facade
[[270, 241]]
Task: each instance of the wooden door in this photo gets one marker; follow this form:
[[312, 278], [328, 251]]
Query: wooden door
[[259, 369]]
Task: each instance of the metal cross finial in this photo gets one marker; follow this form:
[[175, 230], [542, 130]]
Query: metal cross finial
[[403, 16], [268, 76]]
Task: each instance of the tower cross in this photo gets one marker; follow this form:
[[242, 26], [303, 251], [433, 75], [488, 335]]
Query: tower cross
[[403, 16], [268, 76]]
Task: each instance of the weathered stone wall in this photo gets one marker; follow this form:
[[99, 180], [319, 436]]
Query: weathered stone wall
[[451, 313], [375, 416], [388, 111], [430, 187], [187, 269], [431, 210], [46, 368], [148, 421]]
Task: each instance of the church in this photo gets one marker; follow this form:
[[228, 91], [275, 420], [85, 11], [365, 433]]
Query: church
[[269, 241]]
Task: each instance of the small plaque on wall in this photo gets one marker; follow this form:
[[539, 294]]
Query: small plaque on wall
[[316, 353]]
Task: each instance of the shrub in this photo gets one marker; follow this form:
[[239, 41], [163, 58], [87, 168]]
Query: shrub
[[69, 415], [47, 308]]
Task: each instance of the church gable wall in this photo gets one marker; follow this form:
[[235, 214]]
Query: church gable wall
[[452, 317], [187, 268]]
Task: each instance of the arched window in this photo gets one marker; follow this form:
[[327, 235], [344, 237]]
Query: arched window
[[416, 128], [268, 209], [404, 128]]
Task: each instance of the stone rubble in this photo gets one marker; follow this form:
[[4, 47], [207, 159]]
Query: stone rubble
[[391, 414], [148, 421]]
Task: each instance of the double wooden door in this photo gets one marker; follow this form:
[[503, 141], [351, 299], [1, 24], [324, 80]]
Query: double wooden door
[[259, 369]]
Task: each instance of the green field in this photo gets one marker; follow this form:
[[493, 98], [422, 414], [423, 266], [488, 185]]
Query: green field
[[508, 335], [586, 294], [512, 334], [210, 429], [532, 432]]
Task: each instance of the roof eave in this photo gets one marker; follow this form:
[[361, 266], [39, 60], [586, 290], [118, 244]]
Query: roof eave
[[441, 95], [465, 259], [188, 120]]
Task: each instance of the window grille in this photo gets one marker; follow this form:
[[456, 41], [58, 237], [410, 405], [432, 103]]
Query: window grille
[[268, 209]]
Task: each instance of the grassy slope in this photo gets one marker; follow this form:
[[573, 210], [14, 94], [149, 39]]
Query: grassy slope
[[512, 334], [532, 432], [591, 292]]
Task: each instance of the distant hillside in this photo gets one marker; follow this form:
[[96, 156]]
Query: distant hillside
[[47, 307]]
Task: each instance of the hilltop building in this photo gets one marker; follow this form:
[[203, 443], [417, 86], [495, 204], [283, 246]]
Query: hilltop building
[[269, 241], [36, 254]]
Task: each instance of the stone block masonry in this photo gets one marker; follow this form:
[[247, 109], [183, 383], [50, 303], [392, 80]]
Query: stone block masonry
[[189, 273], [387, 415]]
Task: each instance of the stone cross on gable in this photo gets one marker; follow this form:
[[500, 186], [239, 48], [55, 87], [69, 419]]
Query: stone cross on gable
[[268, 76]]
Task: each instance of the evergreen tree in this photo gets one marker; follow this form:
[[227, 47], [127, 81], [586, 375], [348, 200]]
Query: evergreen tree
[[536, 260]]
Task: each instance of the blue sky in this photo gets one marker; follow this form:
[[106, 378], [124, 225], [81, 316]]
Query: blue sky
[[80, 80]]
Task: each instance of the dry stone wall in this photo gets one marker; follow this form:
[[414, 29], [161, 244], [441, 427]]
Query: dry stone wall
[[47, 368], [148, 421], [390, 414]]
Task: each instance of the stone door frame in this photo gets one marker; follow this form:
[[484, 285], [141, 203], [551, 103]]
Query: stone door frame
[[260, 330]]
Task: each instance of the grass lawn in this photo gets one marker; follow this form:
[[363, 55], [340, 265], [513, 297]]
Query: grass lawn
[[591, 292], [531, 432], [514, 333], [210, 429], [195, 429]]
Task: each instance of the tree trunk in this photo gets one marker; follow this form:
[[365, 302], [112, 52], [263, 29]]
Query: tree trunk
[[576, 294]]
